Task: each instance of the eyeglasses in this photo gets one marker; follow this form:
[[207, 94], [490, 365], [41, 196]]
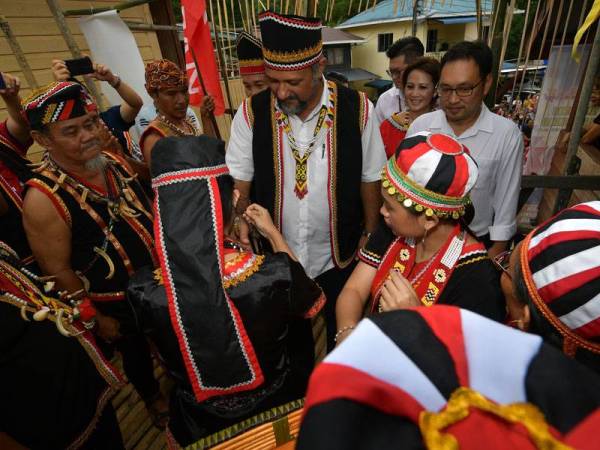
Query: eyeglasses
[[395, 73], [502, 262], [445, 91]]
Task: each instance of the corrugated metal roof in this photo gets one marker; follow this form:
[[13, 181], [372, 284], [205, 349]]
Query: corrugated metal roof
[[384, 11]]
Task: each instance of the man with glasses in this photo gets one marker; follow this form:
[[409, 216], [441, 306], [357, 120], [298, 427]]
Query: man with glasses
[[402, 53], [495, 142]]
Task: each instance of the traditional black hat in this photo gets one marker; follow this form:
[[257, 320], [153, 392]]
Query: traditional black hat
[[55, 102], [290, 42], [249, 50]]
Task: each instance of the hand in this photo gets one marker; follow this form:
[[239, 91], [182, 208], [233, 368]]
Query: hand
[[109, 141], [103, 73], [397, 293], [59, 70], [107, 328], [13, 84], [260, 218], [207, 106]]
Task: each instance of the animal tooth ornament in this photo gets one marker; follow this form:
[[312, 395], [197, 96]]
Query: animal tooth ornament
[[41, 314]]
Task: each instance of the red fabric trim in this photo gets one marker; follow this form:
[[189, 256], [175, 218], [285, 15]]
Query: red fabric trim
[[407, 158], [14, 191], [246, 343], [447, 327], [590, 330], [584, 436], [281, 177], [149, 129], [189, 175], [461, 176], [337, 381], [201, 393], [391, 136], [36, 184], [252, 70], [557, 238], [245, 113], [476, 246], [555, 290], [479, 427], [66, 112], [279, 18], [106, 297], [318, 305], [11, 142]]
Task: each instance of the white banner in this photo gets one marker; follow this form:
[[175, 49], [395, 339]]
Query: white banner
[[112, 44], [559, 90]]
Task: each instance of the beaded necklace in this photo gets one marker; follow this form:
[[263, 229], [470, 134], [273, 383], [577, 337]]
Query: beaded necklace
[[325, 121], [191, 128]]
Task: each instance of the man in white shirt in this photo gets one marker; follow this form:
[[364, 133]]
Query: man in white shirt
[[495, 142], [402, 53], [315, 169]]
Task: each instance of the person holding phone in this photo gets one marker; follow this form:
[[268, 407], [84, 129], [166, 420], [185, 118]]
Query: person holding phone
[[14, 170], [118, 118]]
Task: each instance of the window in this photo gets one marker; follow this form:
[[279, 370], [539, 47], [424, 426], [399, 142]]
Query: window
[[335, 56], [432, 36], [384, 41]]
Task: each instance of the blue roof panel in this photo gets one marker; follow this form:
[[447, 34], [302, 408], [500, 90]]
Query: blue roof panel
[[384, 11]]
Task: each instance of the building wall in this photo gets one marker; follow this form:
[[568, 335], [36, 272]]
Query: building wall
[[41, 41], [366, 56]]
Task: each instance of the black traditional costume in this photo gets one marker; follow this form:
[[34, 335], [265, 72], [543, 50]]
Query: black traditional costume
[[433, 174], [14, 172], [55, 384], [221, 325], [446, 378], [111, 230]]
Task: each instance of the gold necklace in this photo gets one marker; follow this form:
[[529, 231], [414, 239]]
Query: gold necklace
[[191, 131]]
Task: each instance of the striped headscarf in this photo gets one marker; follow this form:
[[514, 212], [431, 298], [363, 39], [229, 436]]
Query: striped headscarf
[[560, 261]]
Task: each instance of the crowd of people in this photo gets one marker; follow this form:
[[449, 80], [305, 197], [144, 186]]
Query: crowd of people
[[445, 330]]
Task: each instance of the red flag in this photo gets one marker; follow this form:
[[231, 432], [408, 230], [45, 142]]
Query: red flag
[[196, 32]]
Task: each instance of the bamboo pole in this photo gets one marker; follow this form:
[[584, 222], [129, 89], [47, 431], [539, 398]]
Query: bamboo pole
[[61, 22], [94, 10], [359, 6], [548, 16], [253, 15], [478, 11], [228, 34], [221, 61], [530, 43], [350, 7], [18, 52], [523, 34]]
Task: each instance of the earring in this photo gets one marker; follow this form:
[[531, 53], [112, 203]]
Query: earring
[[423, 239]]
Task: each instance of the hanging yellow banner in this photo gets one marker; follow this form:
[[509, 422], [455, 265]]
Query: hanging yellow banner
[[593, 15]]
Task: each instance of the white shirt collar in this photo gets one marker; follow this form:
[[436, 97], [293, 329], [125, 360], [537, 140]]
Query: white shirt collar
[[483, 123]]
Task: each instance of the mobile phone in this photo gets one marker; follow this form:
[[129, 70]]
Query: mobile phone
[[2, 83], [80, 66]]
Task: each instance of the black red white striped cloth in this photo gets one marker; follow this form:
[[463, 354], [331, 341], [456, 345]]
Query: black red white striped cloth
[[560, 262], [249, 51], [431, 376]]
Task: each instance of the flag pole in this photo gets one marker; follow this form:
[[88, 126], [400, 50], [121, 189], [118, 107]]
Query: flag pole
[[220, 55], [213, 120]]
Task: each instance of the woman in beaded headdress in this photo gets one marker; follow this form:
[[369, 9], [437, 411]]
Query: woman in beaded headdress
[[423, 253], [167, 84]]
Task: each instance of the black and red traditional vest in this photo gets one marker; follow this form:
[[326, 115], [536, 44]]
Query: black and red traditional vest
[[109, 242], [345, 166]]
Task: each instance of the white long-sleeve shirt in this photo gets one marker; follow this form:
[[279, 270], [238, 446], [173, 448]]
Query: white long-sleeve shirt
[[305, 222], [389, 103], [496, 144]]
